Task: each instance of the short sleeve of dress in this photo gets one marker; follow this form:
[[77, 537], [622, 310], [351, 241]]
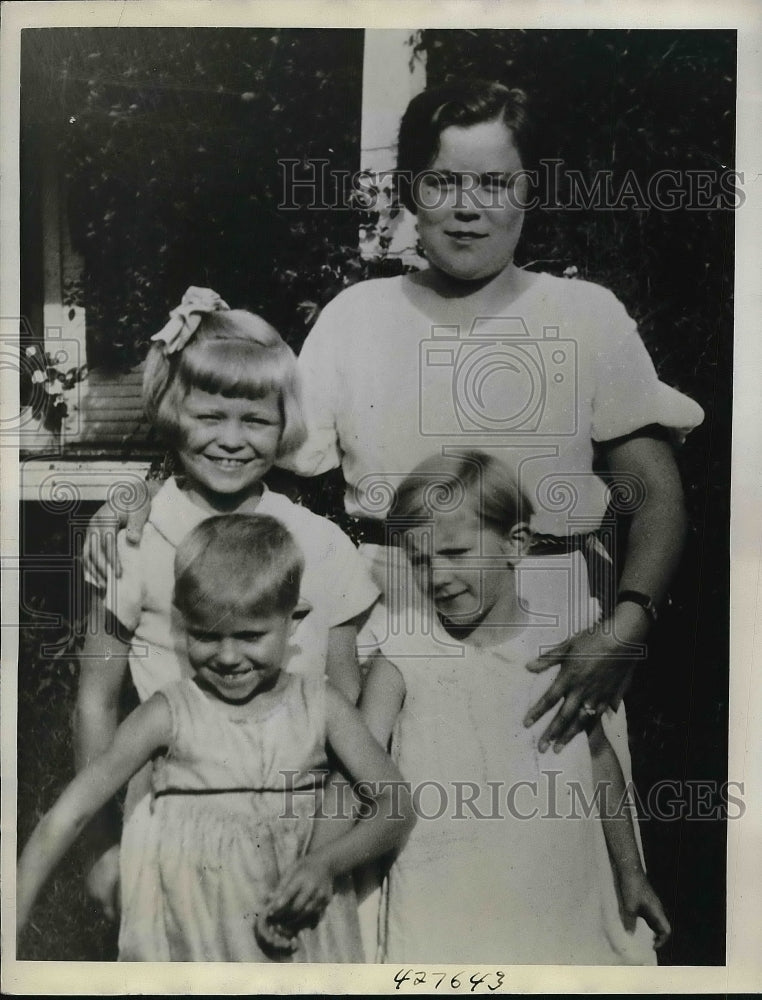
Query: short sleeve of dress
[[349, 588], [628, 392], [372, 637], [124, 595], [319, 383]]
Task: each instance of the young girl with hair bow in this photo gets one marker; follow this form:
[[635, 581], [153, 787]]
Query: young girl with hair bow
[[221, 388]]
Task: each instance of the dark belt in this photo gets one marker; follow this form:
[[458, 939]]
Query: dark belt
[[301, 789], [601, 572], [372, 530]]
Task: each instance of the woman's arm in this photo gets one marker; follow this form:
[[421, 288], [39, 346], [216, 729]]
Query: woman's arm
[[386, 822], [635, 891], [658, 528], [596, 666], [136, 740]]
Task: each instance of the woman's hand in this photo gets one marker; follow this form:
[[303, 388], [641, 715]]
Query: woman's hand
[[102, 882], [302, 895], [638, 899], [596, 669], [99, 554]]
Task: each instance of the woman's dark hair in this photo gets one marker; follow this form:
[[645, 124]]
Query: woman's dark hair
[[462, 103]]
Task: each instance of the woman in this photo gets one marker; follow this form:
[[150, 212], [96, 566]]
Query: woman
[[476, 352]]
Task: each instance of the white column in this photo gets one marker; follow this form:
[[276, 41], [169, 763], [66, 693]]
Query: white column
[[64, 332], [392, 74], [64, 325]]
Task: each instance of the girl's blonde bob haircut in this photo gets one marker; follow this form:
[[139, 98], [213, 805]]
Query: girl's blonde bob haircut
[[233, 353], [473, 481]]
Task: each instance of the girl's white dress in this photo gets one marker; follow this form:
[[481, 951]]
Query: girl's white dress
[[506, 865], [141, 599], [221, 828]]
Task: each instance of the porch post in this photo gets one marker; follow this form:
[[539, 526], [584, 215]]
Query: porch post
[[392, 74]]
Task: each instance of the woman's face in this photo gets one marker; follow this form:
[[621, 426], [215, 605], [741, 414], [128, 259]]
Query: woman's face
[[469, 214]]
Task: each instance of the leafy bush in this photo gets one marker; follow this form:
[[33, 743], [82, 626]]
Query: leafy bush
[[170, 142]]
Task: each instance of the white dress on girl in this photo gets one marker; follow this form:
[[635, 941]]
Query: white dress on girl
[[222, 829], [336, 587], [505, 865]]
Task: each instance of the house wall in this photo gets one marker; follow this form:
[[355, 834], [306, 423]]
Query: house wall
[[104, 434]]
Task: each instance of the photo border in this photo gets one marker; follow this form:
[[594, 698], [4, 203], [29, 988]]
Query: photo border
[[743, 969]]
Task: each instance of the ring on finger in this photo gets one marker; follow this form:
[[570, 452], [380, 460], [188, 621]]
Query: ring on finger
[[587, 710]]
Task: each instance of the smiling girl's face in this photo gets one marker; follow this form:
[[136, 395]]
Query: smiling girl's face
[[462, 565], [469, 231], [241, 656], [227, 445]]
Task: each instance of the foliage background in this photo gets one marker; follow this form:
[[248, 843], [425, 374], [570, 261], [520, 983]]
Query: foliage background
[[169, 141]]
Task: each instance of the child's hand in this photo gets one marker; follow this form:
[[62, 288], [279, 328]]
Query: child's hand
[[302, 895], [102, 882], [273, 937], [638, 899], [99, 553]]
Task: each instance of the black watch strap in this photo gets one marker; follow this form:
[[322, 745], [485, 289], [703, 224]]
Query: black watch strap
[[641, 599]]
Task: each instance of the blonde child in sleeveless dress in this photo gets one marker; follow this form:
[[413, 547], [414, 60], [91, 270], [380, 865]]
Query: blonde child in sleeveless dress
[[239, 749], [221, 389], [513, 859]]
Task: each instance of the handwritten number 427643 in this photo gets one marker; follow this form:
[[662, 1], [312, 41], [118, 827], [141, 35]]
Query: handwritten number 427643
[[491, 980]]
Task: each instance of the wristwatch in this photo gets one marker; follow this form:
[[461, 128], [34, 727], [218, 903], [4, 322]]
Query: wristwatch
[[642, 600]]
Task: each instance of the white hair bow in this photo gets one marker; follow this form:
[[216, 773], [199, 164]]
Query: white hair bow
[[185, 318]]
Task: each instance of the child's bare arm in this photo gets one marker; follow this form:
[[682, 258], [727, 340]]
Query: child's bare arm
[[103, 663], [343, 672], [136, 740], [636, 893], [387, 822], [382, 698], [337, 799], [102, 667], [341, 660], [100, 554], [381, 701]]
